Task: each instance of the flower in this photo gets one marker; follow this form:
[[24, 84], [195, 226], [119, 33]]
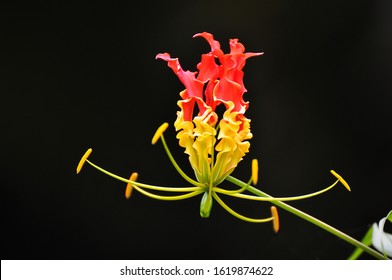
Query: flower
[[382, 240], [206, 133], [215, 144]]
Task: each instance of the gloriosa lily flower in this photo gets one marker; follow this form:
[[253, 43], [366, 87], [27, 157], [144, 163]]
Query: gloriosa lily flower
[[215, 144], [207, 133]]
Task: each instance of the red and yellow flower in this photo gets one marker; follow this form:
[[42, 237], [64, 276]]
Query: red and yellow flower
[[215, 144]]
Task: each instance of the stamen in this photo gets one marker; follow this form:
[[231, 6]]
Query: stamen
[[259, 198], [275, 221], [129, 188], [141, 185], [242, 189], [167, 197], [83, 160], [255, 171], [177, 167], [344, 183], [239, 216], [159, 132]]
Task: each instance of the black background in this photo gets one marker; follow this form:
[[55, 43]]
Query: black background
[[76, 75]]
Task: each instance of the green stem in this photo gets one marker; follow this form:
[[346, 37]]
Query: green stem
[[310, 219]]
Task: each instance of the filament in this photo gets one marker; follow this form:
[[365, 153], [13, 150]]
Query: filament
[[177, 167], [141, 185], [237, 215], [258, 198], [163, 197]]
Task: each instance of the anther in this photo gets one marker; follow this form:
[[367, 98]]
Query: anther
[[344, 183], [255, 171], [83, 160], [129, 188], [275, 220], [159, 132]]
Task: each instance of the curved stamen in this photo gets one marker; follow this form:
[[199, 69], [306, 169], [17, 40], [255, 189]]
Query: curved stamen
[[239, 216], [177, 167], [258, 198], [311, 219], [141, 185], [228, 192], [163, 197]]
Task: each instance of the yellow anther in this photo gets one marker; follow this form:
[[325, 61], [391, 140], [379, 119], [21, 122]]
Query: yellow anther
[[159, 132], [341, 180], [83, 160], [275, 216], [255, 171], [129, 188]]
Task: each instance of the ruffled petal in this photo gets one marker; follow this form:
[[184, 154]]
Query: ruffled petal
[[229, 91], [194, 87], [215, 45], [208, 69], [232, 145], [198, 138], [219, 80]]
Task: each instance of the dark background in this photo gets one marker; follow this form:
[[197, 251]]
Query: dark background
[[77, 75]]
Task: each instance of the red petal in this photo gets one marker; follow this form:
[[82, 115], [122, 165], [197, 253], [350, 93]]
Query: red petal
[[194, 87], [208, 69], [220, 83], [235, 47], [227, 90], [215, 46]]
